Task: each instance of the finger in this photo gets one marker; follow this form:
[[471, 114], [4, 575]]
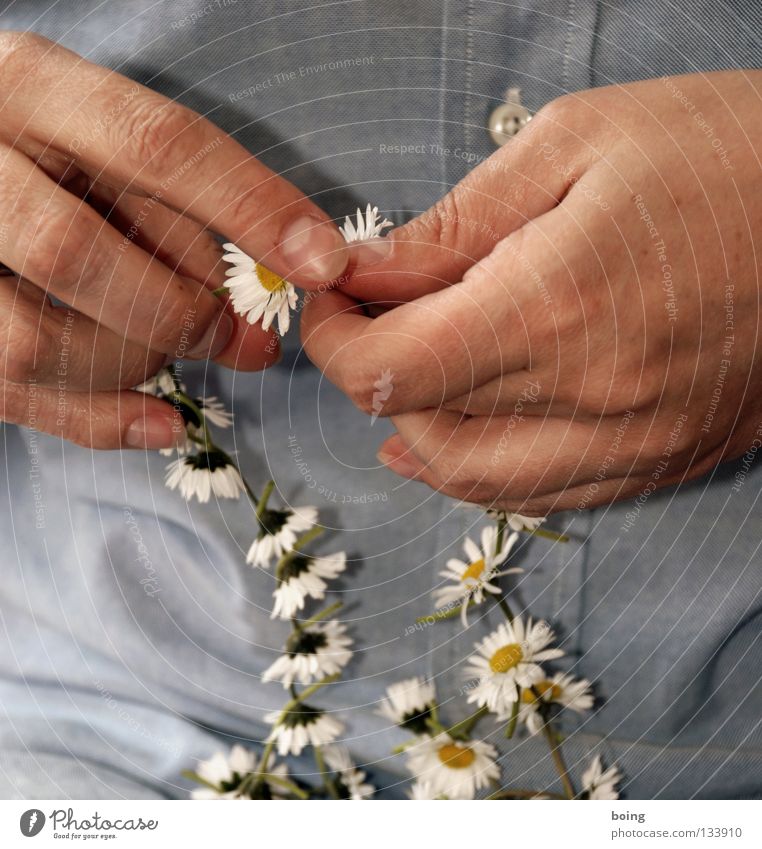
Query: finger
[[186, 248], [104, 420], [65, 247], [487, 460], [56, 346], [439, 347], [515, 185], [168, 152]]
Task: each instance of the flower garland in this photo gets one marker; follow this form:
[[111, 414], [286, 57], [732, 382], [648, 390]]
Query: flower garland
[[506, 676]]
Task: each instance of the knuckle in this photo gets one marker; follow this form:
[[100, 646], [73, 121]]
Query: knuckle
[[20, 360], [440, 224], [56, 245], [21, 53], [177, 323], [245, 205], [558, 113], [157, 134]]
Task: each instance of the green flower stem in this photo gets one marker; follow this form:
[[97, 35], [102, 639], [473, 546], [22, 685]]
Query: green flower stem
[[398, 750], [442, 615], [506, 608], [264, 498], [511, 727], [558, 759], [299, 698], [194, 776], [220, 291], [292, 788], [323, 614], [541, 532], [501, 524], [462, 729], [286, 558], [328, 780], [259, 776], [516, 793]]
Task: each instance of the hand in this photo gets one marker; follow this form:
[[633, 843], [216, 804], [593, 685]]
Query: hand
[[137, 277], [582, 316]]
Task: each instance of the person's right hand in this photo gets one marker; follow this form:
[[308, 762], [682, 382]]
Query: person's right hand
[[136, 274]]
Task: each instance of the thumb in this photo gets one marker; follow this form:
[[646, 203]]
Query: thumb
[[516, 184]]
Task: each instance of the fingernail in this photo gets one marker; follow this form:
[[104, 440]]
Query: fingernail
[[214, 340], [406, 467], [151, 432], [371, 252], [314, 248]]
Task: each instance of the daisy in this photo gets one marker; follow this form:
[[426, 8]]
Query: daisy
[[214, 411], [472, 578], [600, 784], [163, 383], [312, 654], [409, 704], [368, 227], [302, 726], [506, 660], [257, 292], [278, 532], [562, 690], [304, 576], [204, 474], [226, 772], [453, 768], [423, 791], [517, 522], [352, 780]]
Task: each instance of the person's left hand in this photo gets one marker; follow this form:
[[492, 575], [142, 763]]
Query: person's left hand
[[578, 320]]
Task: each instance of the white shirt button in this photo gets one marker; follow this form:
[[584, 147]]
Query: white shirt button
[[507, 119]]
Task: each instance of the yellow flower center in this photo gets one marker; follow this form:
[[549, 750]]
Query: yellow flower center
[[473, 571], [269, 279], [456, 757], [506, 657], [546, 689]]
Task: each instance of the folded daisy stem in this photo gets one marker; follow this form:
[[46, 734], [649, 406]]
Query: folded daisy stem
[[558, 759], [313, 533], [180, 397], [546, 534], [462, 729], [519, 793], [325, 612], [261, 505], [292, 788], [289, 706], [328, 779]]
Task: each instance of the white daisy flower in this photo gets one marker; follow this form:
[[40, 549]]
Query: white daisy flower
[[163, 383], [226, 773], [409, 704], [423, 791], [256, 292], [312, 654], [302, 726], [453, 768], [278, 530], [562, 690], [506, 660], [472, 578], [305, 576], [367, 227], [214, 411], [599, 783], [204, 474], [351, 779]]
